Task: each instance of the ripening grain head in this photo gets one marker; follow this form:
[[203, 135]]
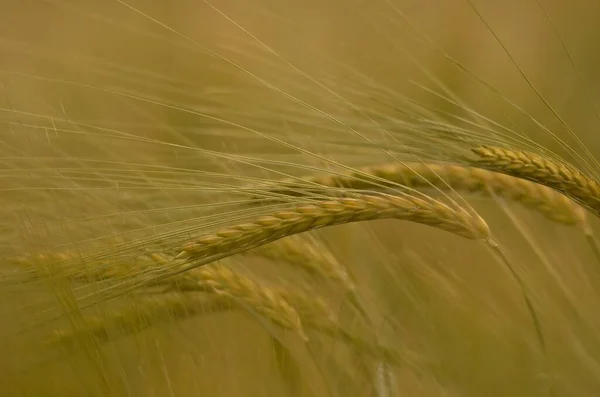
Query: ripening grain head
[[302, 198]]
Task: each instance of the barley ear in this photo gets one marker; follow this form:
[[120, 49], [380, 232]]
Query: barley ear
[[557, 175]]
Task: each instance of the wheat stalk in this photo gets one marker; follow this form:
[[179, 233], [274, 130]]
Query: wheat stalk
[[559, 176], [553, 205]]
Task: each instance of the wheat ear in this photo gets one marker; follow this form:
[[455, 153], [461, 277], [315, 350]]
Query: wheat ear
[[164, 307], [146, 313], [268, 302], [559, 176], [313, 311], [74, 267], [221, 281], [305, 217], [215, 279], [302, 218], [553, 205], [307, 254]]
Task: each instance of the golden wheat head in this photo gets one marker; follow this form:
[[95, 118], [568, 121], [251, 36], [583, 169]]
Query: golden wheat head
[[556, 175]]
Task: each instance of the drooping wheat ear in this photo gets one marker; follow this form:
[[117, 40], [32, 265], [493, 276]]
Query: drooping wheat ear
[[313, 308], [553, 205], [231, 287], [74, 267], [148, 312], [170, 307], [317, 315], [310, 255], [314, 312], [41, 264], [91, 272], [266, 301], [302, 218], [559, 176], [315, 258], [305, 217]]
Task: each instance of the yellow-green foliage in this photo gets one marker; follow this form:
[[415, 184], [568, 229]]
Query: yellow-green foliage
[[211, 198]]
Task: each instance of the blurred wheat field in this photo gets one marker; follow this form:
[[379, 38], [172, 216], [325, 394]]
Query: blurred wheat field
[[262, 198]]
